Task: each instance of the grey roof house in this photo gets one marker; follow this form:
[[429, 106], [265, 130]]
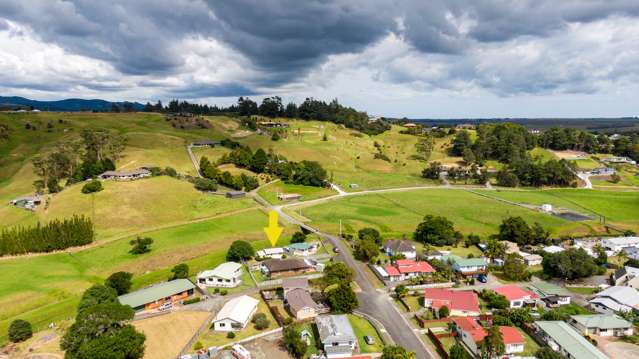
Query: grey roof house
[[562, 338], [336, 334], [614, 299], [125, 175], [396, 247], [604, 325], [300, 303]]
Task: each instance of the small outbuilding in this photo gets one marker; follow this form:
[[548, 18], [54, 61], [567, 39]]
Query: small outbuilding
[[289, 196], [235, 194]]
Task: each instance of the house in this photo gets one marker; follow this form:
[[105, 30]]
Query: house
[[605, 325], [289, 196], [275, 252], [562, 338], [158, 296], [302, 249], [516, 296], [532, 259], [227, 275], [471, 333], [336, 335], [631, 252], [235, 314], [553, 249], [616, 244], [602, 172], [550, 294], [614, 299], [289, 284], [301, 304], [125, 175], [205, 143], [615, 159], [395, 247], [27, 202], [284, 267], [438, 255], [461, 303], [403, 269], [627, 276], [467, 266], [235, 194]]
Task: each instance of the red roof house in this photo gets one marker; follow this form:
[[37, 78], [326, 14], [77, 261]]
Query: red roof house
[[471, 333], [516, 296], [460, 303], [403, 269]]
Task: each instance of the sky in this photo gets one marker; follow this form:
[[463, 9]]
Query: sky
[[413, 58]]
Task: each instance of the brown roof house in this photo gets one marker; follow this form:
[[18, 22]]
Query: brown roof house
[[400, 247], [300, 304], [285, 267], [288, 284]]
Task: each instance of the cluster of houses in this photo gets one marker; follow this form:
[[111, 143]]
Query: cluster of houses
[[568, 338], [294, 249]]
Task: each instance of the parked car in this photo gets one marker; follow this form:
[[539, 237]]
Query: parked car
[[369, 340], [482, 278], [335, 249]]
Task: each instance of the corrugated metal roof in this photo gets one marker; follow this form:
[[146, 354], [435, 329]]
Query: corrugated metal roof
[[155, 292], [602, 321], [571, 341]]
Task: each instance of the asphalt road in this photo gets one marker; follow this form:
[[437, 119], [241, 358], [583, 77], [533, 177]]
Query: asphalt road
[[373, 302]]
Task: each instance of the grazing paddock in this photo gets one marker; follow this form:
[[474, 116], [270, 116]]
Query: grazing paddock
[[167, 334]]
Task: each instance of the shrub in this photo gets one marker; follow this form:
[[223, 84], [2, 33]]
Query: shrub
[[180, 271], [230, 335], [298, 237], [170, 171], [443, 312], [92, 187], [275, 136], [192, 301], [239, 251], [120, 281], [141, 245], [262, 323], [20, 330], [224, 292], [198, 345], [205, 184]]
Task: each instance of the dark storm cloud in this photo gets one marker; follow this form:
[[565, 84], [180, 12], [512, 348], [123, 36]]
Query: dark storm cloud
[[285, 39], [204, 90]]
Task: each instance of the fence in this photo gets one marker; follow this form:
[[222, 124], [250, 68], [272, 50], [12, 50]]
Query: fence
[[430, 285], [438, 344]]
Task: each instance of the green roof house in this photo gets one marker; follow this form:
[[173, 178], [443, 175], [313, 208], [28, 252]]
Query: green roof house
[[552, 295], [563, 338], [467, 266], [159, 296], [604, 325], [302, 249]]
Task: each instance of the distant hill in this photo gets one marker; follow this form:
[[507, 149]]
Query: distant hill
[[69, 105]]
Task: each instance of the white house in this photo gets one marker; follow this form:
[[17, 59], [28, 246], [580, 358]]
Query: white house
[[400, 247], [605, 325], [553, 249], [227, 275], [614, 299], [532, 259], [616, 244], [235, 314], [275, 252], [627, 276]]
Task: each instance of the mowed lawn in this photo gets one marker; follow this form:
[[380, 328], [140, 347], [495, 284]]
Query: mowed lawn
[[45, 289], [167, 334], [398, 213], [619, 208], [129, 207], [269, 192]]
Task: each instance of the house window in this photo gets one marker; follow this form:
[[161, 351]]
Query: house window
[[222, 325]]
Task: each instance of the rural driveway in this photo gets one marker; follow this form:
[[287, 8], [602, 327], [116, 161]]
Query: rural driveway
[[373, 302]]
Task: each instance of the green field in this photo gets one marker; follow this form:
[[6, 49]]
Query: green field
[[45, 289], [398, 213], [270, 191], [362, 327]]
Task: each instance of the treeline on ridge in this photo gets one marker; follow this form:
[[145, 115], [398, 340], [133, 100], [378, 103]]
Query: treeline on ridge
[[55, 235]]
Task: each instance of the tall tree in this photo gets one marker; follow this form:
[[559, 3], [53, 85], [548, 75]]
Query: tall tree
[[493, 344]]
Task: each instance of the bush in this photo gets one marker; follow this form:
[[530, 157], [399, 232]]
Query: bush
[[205, 184], [230, 335], [180, 271], [120, 281], [192, 301], [443, 312], [298, 237], [20, 330], [170, 171], [197, 346], [239, 251], [261, 322], [224, 292], [92, 187], [275, 136], [141, 245]]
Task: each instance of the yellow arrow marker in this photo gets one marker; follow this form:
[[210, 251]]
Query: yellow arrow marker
[[273, 231]]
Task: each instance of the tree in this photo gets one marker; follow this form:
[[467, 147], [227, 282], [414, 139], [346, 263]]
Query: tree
[[461, 142], [493, 344], [205, 184], [396, 352], [600, 251], [259, 161], [401, 291], [180, 271], [443, 312], [570, 264], [371, 233], [433, 171], [275, 136], [515, 268], [261, 321], [120, 281], [97, 294], [469, 156], [553, 315], [20, 330], [298, 237], [457, 351], [92, 187], [548, 353], [125, 343], [53, 186], [520, 316], [515, 229], [336, 273], [141, 245], [240, 251], [435, 230], [342, 299], [424, 147], [366, 250], [293, 342], [495, 249], [170, 171]]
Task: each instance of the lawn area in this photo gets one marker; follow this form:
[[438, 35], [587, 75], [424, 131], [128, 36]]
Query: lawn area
[[212, 338], [270, 191], [582, 290], [618, 207], [363, 327], [397, 213], [45, 289], [542, 154], [530, 345], [412, 302], [628, 176], [447, 343], [167, 334]]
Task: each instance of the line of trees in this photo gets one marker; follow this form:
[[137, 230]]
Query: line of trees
[[55, 235]]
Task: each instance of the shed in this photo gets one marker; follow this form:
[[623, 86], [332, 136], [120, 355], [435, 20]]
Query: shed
[[235, 194]]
